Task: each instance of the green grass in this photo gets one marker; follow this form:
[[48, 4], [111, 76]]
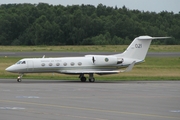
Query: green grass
[[98, 48], [161, 68]]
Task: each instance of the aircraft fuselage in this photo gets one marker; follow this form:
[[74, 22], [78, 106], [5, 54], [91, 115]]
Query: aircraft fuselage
[[58, 65]]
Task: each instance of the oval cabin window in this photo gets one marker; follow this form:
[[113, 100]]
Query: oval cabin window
[[65, 64], [57, 64], [50, 64], [79, 63], [43, 64], [72, 64]]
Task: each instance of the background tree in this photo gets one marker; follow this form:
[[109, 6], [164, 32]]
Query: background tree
[[44, 24]]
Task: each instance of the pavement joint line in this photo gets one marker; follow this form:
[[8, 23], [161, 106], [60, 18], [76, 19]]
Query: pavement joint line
[[90, 109]]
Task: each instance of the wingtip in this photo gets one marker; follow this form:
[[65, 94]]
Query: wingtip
[[129, 68]]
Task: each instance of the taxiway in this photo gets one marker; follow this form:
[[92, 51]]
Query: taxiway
[[73, 100]]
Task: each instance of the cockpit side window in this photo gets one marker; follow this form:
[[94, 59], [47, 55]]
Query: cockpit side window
[[24, 62], [19, 62]]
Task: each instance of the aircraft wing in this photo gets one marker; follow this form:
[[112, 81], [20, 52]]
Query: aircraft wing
[[129, 68], [88, 72]]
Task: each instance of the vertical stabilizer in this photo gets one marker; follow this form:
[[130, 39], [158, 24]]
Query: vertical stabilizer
[[139, 47]]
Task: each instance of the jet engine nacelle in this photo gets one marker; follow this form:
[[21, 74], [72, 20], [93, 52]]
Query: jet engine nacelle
[[105, 60]]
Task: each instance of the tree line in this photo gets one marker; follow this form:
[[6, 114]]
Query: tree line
[[44, 24]]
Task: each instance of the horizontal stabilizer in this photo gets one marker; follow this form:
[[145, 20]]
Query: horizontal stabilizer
[[151, 38], [161, 37]]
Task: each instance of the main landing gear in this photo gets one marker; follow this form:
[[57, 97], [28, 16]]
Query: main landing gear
[[19, 77], [83, 79]]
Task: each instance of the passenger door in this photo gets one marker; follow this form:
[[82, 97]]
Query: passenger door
[[30, 66]]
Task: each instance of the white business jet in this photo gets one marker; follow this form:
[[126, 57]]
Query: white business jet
[[88, 64]]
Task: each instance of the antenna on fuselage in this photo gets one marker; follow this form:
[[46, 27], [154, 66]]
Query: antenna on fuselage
[[43, 56]]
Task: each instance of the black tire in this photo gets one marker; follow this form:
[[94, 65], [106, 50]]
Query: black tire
[[18, 80], [92, 80], [83, 79]]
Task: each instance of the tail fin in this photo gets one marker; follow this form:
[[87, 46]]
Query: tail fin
[[139, 47]]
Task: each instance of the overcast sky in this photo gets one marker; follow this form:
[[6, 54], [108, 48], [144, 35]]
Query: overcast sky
[[142, 5]]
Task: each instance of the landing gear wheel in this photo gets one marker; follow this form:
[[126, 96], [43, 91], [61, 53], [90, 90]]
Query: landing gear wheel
[[19, 80], [83, 79], [91, 77], [92, 80]]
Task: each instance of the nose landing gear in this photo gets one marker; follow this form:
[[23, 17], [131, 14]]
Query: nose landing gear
[[19, 77]]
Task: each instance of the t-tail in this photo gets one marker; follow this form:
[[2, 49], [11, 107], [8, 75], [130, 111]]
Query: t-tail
[[138, 49]]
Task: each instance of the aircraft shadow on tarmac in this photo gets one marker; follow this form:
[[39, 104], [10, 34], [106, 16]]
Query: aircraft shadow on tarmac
[[25, 81], [33, 81]]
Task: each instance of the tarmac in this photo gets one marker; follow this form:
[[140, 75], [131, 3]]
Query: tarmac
[[73, 100]]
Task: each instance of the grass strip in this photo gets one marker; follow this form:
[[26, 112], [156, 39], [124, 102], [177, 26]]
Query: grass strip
[[86, 48]]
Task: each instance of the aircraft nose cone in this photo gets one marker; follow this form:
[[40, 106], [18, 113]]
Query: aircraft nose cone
[[9, 69]]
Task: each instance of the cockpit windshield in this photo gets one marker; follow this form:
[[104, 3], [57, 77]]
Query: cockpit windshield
[[21, 62]]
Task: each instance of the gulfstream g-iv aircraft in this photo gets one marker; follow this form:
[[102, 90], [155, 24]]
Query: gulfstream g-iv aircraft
[[88, 64]]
